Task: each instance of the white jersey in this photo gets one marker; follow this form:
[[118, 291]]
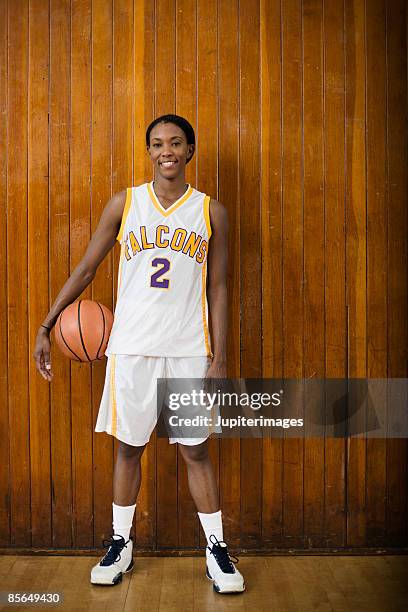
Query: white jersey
[[161, 307]]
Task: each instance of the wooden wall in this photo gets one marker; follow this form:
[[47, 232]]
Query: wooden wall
[[299, 109]]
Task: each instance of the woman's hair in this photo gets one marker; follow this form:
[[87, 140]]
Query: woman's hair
[[177, 120]]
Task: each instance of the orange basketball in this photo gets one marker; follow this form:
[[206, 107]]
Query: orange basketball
[[82, 330]]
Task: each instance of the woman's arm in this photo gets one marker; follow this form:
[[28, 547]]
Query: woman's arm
[[103, 240], [101, 243], [217, 288]]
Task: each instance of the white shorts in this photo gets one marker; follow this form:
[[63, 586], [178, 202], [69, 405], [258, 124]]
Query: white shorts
[[128, 408]]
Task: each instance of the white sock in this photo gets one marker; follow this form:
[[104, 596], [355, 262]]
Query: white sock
[[122, 520], [212, 524]]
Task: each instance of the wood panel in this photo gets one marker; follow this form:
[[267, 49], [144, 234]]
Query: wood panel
[[397, 327], [59, 156], [299, 113], [335, 256], [292, 255], [272, 269], [377, 341], [356, 253], [17, 275], [38, 268], [4, 409], [250, 249], [314, 257]]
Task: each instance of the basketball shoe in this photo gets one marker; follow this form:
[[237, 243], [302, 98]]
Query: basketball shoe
[[117, 561], [221, 569]]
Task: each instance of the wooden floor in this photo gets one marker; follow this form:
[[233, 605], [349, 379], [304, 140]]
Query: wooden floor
[[278, 584]]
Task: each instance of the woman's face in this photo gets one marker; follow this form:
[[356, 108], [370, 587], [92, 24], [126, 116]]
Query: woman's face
[[169, 150]]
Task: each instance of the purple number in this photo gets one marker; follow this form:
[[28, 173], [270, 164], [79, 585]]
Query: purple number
[[164, 282]]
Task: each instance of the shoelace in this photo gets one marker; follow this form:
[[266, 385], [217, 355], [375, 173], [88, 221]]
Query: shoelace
[[115, 548], [222, 556]]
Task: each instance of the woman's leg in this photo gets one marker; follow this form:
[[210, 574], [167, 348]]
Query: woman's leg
[[201, 477], [127, 474]]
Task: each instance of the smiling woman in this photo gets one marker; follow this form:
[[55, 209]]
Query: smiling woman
[[170, 142], [167, 268], [166, 138], [161, 331]]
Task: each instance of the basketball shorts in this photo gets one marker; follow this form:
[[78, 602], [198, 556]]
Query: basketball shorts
[[129, 406]]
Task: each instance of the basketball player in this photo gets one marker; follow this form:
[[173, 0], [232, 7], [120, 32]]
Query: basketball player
[[172, 236]]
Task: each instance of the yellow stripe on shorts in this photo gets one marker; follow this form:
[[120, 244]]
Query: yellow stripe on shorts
[[113, 396]]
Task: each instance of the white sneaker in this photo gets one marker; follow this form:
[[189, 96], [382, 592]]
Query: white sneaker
[[117, 561], [221, 570]]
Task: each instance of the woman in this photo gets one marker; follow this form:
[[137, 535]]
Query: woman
[[160, 330]]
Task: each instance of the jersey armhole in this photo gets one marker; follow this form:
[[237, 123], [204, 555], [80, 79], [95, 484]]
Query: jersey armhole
[[207, 215], [125, 214]]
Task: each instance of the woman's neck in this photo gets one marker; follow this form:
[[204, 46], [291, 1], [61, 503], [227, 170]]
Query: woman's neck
[[170, 189]]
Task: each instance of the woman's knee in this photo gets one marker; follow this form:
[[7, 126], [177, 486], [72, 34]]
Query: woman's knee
[[126, 451], [193, 454]]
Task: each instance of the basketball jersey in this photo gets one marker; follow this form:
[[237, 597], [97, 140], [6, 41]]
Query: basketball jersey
[[161, 308]]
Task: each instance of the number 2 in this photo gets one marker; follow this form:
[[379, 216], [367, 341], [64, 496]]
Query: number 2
[[163, 283]]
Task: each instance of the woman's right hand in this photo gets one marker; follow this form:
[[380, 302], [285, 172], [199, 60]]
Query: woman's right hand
[[42, 354]]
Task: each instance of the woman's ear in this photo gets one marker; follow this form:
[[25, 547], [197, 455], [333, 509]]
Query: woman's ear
[[190, 151]]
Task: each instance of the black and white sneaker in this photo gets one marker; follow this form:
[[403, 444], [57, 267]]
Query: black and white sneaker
[[117, 561], [221, 569]]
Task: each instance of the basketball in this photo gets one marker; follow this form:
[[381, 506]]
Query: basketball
[[82, 330]]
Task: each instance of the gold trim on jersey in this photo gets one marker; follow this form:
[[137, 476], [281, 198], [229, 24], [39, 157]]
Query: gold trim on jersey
[[123, 248], [203, 307], [207, 215], [125, 213], [167, 211]]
